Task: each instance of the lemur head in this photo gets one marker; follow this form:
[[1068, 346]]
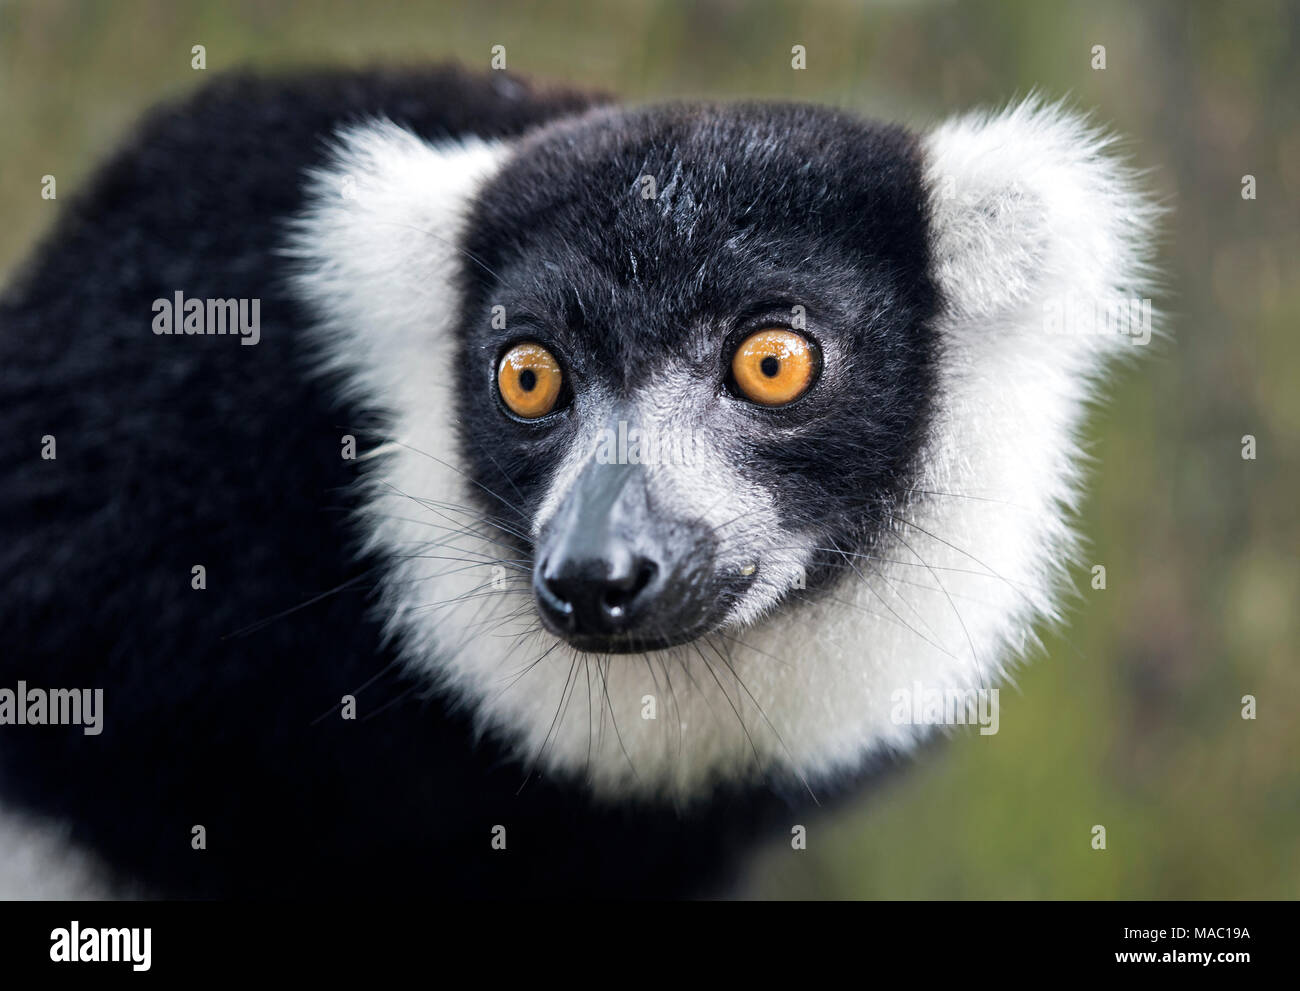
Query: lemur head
[[714, 428], [715, 362]]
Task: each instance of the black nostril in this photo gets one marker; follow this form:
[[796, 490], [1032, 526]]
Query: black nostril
[[620, 593], [596, 596]]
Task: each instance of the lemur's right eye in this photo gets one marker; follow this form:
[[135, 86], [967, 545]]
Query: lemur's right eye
[[529, 379]]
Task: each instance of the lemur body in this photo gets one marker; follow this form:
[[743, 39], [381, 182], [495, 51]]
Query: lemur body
[[430, 250]]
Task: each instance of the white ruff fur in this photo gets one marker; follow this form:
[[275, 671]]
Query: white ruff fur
[[1028, 213], [39, 862]]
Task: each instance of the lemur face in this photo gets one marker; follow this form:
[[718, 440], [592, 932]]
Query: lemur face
[[695, 361], [711, 429]]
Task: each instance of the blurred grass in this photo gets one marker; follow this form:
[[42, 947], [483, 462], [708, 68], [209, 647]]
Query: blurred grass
[[1131, 717]]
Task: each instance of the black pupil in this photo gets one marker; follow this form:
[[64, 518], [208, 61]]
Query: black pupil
[[770, 366], [527, 379]]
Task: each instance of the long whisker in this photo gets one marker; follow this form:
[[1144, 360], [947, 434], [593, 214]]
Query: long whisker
[[727, 660], [564, 694], [602, 671], [758, 762]]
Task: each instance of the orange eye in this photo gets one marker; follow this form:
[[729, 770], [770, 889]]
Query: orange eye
[[773, 367], [529, 379]]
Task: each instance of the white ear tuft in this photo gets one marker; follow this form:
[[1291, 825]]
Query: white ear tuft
[[1038, 226], [1041, 241], [376, 249]]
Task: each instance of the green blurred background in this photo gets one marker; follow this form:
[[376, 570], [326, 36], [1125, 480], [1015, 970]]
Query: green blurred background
[[1132, 718]]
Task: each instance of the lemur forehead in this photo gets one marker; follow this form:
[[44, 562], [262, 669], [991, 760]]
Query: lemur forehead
[[675, 220]]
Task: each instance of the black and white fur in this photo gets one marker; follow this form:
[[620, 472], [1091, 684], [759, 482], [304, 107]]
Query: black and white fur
[[923, 486]]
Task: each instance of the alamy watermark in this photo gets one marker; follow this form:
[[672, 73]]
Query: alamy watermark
[[1082, 316], [53, 707], [193, 316], [630, 445], [921, 706], [74, 944]]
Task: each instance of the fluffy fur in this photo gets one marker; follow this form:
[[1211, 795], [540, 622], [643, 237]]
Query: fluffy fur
[[380, 217], [1025, 209]]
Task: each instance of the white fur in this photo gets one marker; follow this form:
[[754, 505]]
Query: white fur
[[1027, 210], [38, 862]]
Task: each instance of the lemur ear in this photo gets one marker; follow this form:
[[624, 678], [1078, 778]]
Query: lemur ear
[[376, 247], [1035, 220]]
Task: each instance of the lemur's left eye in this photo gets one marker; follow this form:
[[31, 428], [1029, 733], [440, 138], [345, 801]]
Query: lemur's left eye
[[773, 367], [529, 379]]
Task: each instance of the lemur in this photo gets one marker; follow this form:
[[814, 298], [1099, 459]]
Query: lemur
[[463, 485]]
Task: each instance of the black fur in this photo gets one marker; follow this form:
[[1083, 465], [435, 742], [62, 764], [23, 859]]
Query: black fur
[[174, 452], [759, 208]]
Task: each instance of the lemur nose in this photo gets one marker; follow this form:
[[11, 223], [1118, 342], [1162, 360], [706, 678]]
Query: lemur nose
[[612, 573], [598, 596]]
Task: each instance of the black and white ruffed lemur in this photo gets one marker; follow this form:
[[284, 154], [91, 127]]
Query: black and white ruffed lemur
[[464, 486]]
